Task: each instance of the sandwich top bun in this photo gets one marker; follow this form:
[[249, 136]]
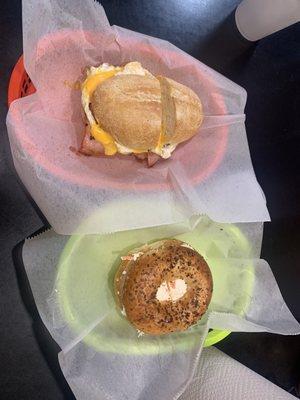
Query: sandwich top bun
[[163, 287], [129, 108], [131, 111]]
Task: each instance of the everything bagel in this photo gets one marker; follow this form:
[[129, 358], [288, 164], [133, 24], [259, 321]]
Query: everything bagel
[[163, 287]]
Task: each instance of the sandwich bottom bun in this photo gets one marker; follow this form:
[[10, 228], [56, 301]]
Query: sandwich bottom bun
[[163, 287]]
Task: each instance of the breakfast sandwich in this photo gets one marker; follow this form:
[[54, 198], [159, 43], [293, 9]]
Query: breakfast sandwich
[[130, 111]]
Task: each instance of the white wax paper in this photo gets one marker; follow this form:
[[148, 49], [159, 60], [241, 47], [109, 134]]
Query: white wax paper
[[220, 377], [210, 174], [102, 356]]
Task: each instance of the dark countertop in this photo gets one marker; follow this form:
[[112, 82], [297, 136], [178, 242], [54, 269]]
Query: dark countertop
[[270, 72]]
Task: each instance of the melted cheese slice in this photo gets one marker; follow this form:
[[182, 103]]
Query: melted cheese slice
[[92, 81], [105, 139], [88, 88]]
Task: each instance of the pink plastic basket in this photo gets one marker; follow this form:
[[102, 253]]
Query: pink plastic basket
[[20, 85]]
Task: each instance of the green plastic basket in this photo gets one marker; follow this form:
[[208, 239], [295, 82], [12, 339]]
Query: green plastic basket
[[87, 266]]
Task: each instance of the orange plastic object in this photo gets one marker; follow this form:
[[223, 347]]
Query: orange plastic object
[[20, 84]]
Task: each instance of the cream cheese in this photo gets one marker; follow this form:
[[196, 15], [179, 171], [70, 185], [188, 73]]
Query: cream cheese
[[188, 246], [171, 291]]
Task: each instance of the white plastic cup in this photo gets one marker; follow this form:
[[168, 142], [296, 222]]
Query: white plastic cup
[[256, 19]]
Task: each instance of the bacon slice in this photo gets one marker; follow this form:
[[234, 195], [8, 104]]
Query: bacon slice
[[90, 146], [141, 156], [151, 158]]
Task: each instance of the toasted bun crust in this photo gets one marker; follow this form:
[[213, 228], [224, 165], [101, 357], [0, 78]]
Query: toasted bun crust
[[129, 108], [134, 109], [138, 280], [182, 111]]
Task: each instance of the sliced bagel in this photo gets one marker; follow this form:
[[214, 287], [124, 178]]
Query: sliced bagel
[[163, 287]]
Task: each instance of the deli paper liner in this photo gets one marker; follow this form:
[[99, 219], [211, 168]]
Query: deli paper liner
[[210, 174], [103, 356], [219, 376]]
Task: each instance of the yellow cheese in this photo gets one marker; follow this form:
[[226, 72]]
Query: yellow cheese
[[105, 139], [90, 84], [161, 139], [88, 87]]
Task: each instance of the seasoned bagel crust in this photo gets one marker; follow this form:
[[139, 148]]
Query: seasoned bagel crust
[[139, 277]]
